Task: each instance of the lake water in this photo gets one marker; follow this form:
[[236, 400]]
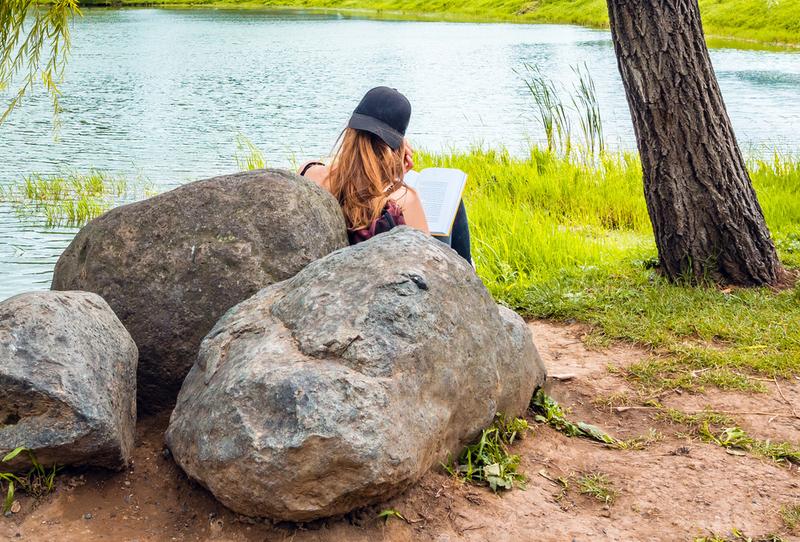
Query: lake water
[[163, 94]]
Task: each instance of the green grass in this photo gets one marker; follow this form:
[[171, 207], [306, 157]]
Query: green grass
[[489, 461], [695, 420], [766, 21], [790, 515], [547, 410], [737, 535], [599, 486], [738, 439], [248, 157], [37, 481], [390, 513], [758, 20], [570, 239], [73, 199]]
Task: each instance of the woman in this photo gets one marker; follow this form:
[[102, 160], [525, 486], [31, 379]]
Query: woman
[[367, 170]]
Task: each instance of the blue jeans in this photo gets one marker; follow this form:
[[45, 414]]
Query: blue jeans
[[458, 239]]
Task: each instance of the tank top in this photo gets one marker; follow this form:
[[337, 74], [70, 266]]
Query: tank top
[[391, 216]]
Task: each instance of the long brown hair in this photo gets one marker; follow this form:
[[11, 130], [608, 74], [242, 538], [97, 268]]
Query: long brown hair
[[364, 172]]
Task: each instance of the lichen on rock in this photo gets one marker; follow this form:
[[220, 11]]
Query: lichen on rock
[[343, 385]]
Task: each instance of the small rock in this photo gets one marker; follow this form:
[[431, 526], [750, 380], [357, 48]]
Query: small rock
[[68, 379], [15, 507], [88, 515], [216, 526]]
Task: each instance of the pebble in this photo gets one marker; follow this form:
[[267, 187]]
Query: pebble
[[87, 515], [216, 526]]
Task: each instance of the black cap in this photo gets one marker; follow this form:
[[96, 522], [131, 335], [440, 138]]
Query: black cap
[[384, 112]]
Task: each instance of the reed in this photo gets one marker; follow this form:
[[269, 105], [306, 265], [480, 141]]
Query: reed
[[248, 156], [557, 115], [550, 109], [586, 104], [72, 199]]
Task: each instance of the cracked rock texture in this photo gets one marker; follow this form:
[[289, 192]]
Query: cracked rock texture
[[341, 386], [67, 380]]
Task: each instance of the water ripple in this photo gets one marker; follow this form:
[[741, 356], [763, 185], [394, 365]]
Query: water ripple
[[164, 93]]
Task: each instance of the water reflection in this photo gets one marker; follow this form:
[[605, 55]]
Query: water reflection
[[163, 94]]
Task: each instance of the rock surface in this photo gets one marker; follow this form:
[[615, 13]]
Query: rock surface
[[171, 265], [340, 387], [68, 380]]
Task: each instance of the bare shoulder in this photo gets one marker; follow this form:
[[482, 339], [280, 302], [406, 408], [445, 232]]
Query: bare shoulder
[[405, 197], [316, 172]]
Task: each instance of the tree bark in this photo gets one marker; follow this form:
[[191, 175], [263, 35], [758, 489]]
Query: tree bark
[[706, 217]]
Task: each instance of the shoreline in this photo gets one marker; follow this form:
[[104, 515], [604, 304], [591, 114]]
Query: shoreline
[[715, 40]]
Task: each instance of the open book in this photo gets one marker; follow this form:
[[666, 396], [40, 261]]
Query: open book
[[440, 191]]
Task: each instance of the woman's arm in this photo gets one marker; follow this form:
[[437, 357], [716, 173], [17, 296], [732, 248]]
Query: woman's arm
[[408, 200]]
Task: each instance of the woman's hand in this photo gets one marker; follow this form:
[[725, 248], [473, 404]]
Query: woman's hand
[[408, 156]]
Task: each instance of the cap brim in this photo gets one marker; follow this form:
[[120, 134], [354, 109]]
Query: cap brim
[[389, 135]]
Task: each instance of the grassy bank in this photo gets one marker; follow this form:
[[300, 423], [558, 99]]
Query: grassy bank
[[766, 21], [556, 238], [569, 239]]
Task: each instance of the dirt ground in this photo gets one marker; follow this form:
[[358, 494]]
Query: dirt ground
[[677, 488]]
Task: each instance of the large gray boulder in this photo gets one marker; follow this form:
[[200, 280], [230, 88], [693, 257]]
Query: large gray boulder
[[67, 380], [171, 265], [340, 387]]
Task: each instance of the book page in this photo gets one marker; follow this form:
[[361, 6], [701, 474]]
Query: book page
[[411, 178], [440, 191]]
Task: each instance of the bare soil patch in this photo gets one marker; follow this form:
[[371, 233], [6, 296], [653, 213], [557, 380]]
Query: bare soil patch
[[676, 488]]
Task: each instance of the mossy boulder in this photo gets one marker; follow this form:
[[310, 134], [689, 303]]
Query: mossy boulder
[[171, 265]]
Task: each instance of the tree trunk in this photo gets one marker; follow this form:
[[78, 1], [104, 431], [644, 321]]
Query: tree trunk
[[705, 214]]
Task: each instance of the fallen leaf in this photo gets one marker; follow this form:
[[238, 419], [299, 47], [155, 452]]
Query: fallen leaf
[[733, 451]]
